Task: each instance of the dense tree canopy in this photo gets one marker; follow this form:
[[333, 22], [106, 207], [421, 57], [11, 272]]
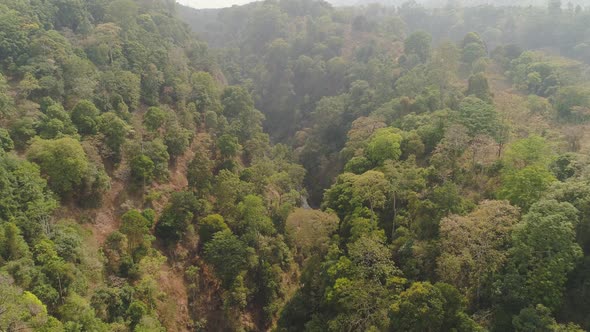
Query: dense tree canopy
[[63, 161], [291, 165]]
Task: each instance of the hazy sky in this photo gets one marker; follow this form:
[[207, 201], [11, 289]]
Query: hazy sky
[[229, 3], [212, 3]]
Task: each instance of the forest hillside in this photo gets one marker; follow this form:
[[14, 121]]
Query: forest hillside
[[288, 165]]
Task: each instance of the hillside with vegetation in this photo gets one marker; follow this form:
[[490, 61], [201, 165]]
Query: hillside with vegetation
[[459, 3], [292, 166]]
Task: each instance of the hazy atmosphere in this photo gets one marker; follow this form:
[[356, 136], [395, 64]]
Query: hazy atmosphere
[[294, 166], [434, 3], [212, 3]]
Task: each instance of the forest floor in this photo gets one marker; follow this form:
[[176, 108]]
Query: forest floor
[[172, 279], [102, 221]]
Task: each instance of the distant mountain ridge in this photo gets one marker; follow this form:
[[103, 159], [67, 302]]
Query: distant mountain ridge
[[462, 3], [203, 4]]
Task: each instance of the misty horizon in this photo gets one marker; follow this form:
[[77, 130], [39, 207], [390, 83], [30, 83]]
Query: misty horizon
[[202, 4], [212, 4]]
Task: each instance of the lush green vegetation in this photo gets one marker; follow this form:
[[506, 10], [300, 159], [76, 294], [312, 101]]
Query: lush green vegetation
[[317, 169]]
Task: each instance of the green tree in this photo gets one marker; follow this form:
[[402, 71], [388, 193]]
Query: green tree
[[371, 259], [115, 131], [6, 101], [205, 92], [136, 311], [478, 116], [372, 187], [229, 190], [211, 120], [427, 307], [80, 78], [154, 118], [27, 85], [122, 84], [12, 244], [122, 12], [360, 305], [177, 216], [228, 146], [137, 229], [14, 40], [474, 247], [77, 313], [383, 145], [420, 308], [530, 151], [151, 80], [443, 68], [157, 151], [358, 165], [56, 122], [526, 176], [472, 52], [228, 255], [6, 143], [478, 86], [116, 253], [253, 218], [539, 319], [341, 196], [142, 169], [525, 186], [60, 274], [177, 139], [24, 196], [418, 44], [235, 100], [569, 101], [22, 130], [473, 48], [21, 310], [85, 117], [106, 46], [544, 252], [471, 37], [455, 319], [200, 173], [63, 161], [209, 226]]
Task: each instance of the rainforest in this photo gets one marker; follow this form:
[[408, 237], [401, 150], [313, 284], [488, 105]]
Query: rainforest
[[294, 165]]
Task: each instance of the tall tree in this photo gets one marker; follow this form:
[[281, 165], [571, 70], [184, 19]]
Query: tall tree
[[474, 247], [63, 161], [418, 44], [544, 252]]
